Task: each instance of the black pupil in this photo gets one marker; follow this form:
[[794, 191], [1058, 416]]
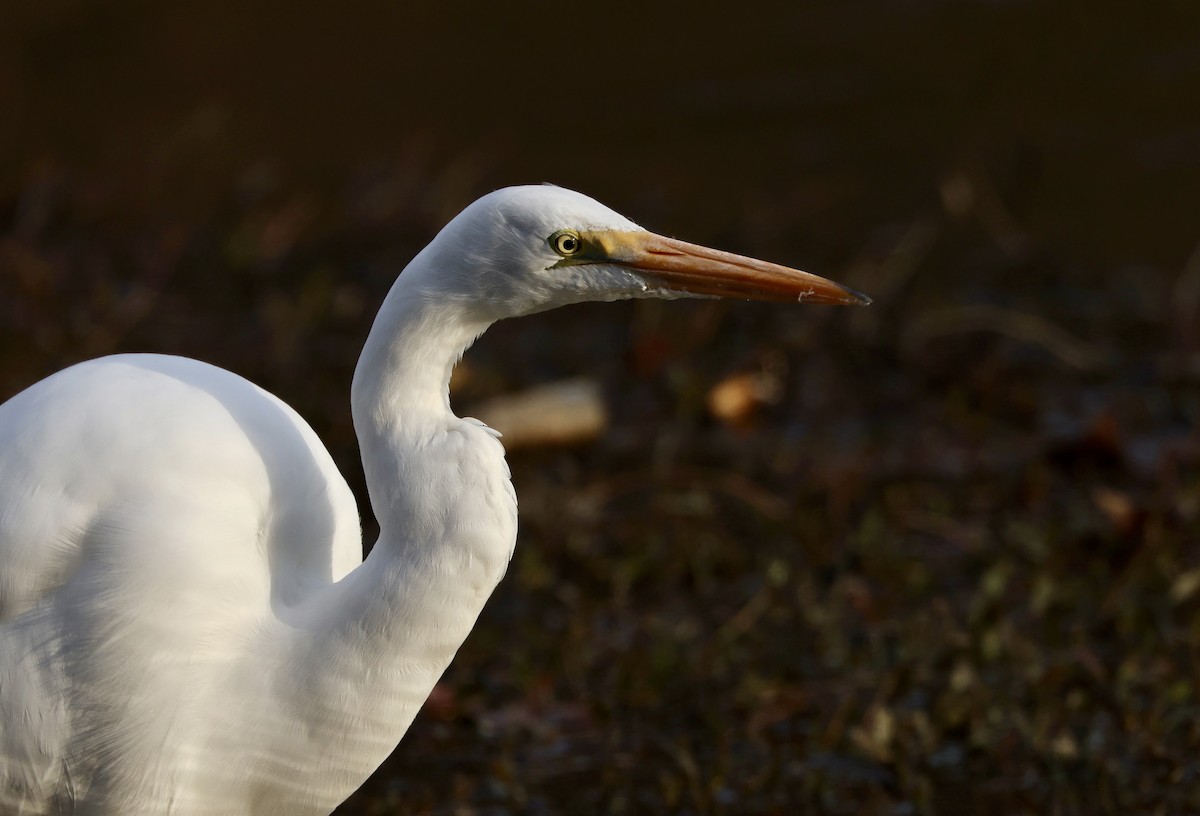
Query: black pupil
[[567, 244]]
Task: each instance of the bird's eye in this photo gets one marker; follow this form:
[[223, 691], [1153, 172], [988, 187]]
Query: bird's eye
[[565, 243]]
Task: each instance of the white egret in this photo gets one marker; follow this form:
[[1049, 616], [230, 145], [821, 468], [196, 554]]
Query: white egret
[[187, 625]]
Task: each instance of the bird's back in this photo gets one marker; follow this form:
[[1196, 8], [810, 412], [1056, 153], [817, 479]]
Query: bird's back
[[156, 514]]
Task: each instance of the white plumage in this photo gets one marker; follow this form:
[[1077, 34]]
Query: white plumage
[[187, 625]]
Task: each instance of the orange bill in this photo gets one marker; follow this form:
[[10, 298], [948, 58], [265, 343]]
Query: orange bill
[[692, 269]]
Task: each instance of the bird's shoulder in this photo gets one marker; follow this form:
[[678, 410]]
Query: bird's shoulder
[[136, 452]]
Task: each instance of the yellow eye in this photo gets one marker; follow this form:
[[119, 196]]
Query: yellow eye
[[566, 243]]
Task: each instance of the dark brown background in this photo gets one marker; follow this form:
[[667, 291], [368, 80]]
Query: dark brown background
[[950, 568]]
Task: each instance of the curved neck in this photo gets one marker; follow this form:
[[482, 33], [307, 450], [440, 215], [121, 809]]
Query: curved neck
[[377, 641], [403, 374], [400, 399]]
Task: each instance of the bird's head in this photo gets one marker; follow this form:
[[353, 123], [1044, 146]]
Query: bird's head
[[521, 250]]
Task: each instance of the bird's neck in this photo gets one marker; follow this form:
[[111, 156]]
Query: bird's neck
[[435, 481], [380, 638], [401, 388]]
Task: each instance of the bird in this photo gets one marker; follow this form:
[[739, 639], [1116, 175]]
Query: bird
[[187, 623]]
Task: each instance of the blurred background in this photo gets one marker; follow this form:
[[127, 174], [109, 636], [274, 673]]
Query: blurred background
[[933, 556]]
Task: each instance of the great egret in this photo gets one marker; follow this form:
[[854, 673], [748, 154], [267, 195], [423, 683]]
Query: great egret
[[187, 625]]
